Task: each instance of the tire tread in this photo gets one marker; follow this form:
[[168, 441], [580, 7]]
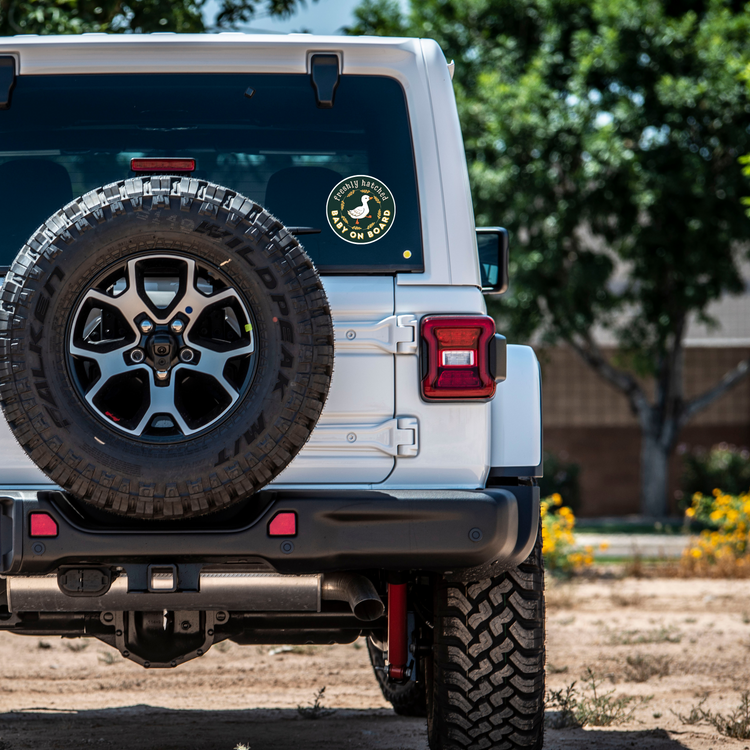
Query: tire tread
[[486, 677]]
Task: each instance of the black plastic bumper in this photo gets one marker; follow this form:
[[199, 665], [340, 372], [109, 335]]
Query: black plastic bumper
[[336, 530]]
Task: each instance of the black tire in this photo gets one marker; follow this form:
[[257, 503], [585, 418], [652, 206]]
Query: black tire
[[284, 370], [485, 680], [408, 698]]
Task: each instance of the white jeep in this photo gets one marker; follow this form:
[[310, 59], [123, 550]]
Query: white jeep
[[251, 391]]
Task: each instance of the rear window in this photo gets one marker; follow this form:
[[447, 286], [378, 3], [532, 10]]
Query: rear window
[[346, 171]]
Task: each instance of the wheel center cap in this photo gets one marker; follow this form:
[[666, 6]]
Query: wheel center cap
[[162, 349]]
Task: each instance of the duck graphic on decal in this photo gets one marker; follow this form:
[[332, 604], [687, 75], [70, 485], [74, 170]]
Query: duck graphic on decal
[[360, 211]]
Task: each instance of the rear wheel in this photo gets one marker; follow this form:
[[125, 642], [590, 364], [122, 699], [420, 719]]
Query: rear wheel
[[408, 698], [485, 680]]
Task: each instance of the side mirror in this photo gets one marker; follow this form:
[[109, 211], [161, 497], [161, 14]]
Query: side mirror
[[492, 243]]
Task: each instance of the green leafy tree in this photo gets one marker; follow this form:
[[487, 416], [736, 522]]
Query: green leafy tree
[[745, 160], [135, 16], [606, 134]]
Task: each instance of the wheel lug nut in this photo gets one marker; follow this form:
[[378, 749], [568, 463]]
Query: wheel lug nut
[[146, 326], [187, 355], [162, 374], [177, 326], [137, 355]]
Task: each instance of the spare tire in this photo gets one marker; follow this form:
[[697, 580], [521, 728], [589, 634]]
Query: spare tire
[[166, 347]]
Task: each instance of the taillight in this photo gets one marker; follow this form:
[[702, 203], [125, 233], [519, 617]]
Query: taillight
[[457, 352], [167, 165]]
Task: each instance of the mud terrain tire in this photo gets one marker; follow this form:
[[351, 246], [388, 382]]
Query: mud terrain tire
[[229, 433], [485, 680]]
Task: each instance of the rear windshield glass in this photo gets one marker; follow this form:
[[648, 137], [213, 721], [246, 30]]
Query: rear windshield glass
[[347, 171]]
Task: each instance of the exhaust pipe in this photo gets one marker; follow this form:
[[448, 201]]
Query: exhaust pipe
[[243, 592], [357, 590]]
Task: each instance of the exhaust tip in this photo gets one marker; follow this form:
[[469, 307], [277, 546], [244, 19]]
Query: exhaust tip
[[368, 609], [358, 591]]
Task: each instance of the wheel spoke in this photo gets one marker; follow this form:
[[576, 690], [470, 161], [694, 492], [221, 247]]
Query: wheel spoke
[[129, 303], [212, 363], [162, 402], [110, 363]]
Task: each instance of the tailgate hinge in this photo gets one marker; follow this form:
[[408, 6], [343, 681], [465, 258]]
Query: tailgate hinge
[[396, 334], [396, 437]]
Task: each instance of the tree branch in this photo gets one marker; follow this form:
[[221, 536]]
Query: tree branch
[[694, 405], [623, 381]]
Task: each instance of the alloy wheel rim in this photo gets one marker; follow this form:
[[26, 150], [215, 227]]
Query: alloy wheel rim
[[161, 346]]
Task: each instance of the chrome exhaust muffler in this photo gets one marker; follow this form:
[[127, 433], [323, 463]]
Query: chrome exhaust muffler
[[244, 592]]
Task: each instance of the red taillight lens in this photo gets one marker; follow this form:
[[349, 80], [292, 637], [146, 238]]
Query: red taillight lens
[[42, 524], [169, 166], [457, 353]]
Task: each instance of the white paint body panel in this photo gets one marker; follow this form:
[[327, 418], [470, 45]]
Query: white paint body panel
[[401, 440], [517, 412], [362, 392], [454, 437]]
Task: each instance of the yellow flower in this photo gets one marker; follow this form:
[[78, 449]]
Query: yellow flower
[[696, 553], [690, 512]]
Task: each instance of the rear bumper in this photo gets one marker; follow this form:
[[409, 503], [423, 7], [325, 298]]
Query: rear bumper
[[441, 531]]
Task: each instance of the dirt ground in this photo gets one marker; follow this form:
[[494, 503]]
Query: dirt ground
[[79, 694]]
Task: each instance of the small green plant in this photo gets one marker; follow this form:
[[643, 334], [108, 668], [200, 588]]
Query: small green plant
[[107, 657], [661, 634], [736, 725], [76, 646], [590, 706], [315, 710], [642, 667], [44, 645]]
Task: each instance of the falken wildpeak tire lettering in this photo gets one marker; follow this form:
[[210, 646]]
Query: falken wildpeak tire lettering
[[485, 678], [272, 419]]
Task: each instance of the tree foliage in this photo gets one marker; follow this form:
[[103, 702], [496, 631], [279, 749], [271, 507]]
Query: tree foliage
[[134, 16], [606, 135]]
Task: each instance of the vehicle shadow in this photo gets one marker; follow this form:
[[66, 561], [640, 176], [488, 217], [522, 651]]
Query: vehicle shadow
[[151, 728], [610, 739]]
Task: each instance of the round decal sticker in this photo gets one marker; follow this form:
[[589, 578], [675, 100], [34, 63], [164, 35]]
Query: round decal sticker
[[361, 209]]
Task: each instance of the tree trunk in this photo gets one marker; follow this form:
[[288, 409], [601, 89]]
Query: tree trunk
[[654, 475]]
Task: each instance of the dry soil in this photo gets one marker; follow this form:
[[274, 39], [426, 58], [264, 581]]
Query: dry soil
[[79, 694]]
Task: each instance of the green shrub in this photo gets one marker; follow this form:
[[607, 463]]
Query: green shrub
[[725, 467]]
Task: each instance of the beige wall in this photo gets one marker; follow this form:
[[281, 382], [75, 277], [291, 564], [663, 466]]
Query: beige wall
[[589, 421]]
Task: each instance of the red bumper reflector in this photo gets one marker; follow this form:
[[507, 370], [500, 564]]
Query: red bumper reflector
[[283, 524], [42, 524], [162, 165]]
